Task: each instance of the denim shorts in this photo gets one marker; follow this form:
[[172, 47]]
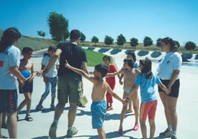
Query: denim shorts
[[8, 101]]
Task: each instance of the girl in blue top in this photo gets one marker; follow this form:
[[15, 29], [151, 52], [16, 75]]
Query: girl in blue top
[[147, 80]]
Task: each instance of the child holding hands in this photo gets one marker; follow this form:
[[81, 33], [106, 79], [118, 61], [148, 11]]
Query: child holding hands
[[99, 106], [147, 80]]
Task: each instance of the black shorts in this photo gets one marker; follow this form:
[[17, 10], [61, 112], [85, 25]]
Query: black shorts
[[27, 88], [174, 88], [8, 101]]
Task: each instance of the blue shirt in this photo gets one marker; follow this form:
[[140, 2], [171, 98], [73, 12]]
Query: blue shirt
[[147, 90]]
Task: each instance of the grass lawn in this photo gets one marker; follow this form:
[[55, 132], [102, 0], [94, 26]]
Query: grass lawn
[[94, 58]]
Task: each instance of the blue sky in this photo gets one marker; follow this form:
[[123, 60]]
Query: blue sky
[[177, 19]]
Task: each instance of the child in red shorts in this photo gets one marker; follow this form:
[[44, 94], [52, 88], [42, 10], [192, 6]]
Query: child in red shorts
[[147, 80]]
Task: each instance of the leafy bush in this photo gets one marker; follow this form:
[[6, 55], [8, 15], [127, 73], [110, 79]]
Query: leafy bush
[[177, 43], [121, 39], [83, 37], [190, 46], [148, 41], [94, 39], [158, 42], [133, 42], [108, 40]]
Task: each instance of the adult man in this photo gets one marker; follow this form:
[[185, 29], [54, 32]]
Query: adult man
[[69, 83]]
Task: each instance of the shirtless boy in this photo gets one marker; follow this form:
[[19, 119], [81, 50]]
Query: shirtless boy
[[99, 106], [26, 87], [130, 75]]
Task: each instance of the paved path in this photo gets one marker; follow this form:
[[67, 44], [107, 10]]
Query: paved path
[[187, 111]]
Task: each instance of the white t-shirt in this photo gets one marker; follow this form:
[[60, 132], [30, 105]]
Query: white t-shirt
[[9, 58], [170, 62], [53, 71]]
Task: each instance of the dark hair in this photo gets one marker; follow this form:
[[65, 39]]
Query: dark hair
[[130, 62], [147, 68], [170, 41], [132, 54], [106, 57], [103, 69], [10, 35], [51, 48], [26, 50], [75, 34]]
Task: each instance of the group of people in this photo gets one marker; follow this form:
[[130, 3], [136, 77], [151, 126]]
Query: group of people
[[73, 65]]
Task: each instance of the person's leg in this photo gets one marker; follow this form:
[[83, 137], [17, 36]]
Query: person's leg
[[4, 123], [130, 107], [59, 110], [172, 103], [163, 98], [111, 97], [135, 100], [71, 114], [101, 133], [53, 92], [122, 115], [152, 128], [143, 129], [28, 97], [107, 99], [23, 103], [12, 124]]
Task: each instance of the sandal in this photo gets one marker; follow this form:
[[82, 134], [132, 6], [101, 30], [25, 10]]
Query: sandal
[[129, 111], [110, 108], [136, 127], [28, 118]]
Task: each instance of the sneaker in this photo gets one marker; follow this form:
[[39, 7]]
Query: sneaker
[[52, 131], [52, 107], [136, 127], [166, 134], [80, 105], [173, 137], [4, 125], [70, 133], [120, 132], [39, 108]]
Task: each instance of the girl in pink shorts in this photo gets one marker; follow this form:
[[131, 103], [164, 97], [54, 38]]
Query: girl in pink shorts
[[147, 80]]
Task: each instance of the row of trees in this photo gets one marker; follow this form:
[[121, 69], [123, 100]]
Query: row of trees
[[58, 26]]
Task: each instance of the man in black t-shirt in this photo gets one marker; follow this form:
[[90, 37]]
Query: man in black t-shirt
[[69, 83]]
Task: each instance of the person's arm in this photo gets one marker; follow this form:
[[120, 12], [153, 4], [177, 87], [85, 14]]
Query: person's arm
[[173, 78], [15, 71], [79, 71], [50, 64], [120, 79], [57, 67], [115, 73], [114, 94], [165, 88], [84, 67]]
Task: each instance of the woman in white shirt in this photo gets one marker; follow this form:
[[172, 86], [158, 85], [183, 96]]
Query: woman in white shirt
[[9, 63], [168, 72]]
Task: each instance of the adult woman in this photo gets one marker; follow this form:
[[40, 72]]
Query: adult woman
[[9, 62], [168, 72]]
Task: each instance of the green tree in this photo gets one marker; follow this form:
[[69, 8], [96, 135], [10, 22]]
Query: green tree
[[83, 37], [148, 41], [190, 45], [121, 39], [158, 42], [177, 43], [108, 40], [58, 25], [41, 33], [133, 42], [94, 39]]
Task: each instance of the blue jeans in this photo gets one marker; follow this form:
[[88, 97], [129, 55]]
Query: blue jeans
[[51, 83]]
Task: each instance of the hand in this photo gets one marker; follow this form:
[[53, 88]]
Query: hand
[[126, 100], [121, 82], [45, 80], [168, 91], [21, 83], [67, 64], [29, 80], [39, 73]]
